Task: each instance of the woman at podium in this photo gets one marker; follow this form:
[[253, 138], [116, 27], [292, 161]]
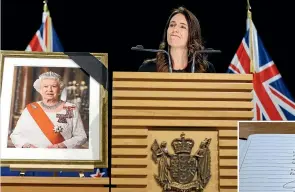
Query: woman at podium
[[182, 40]]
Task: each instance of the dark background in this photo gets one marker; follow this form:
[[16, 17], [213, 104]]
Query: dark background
[[115, 26]]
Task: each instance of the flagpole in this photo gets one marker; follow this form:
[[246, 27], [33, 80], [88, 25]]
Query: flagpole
[[48, 23], [249, 20]]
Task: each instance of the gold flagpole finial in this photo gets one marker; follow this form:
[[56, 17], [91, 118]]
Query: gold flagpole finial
[[249, 15], [248, 5], [45, 7]]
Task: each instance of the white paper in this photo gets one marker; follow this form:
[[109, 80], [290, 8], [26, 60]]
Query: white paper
[[268, 164], [242, 146]]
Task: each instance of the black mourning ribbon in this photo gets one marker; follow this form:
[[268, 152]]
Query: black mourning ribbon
[[91, 65]]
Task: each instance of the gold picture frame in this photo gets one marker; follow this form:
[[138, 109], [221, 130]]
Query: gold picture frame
[[59, 57]]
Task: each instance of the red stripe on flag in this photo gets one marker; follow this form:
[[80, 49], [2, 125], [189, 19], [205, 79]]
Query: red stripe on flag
[[265, 99], [243, 58], [268, 73], [282, 98], [35, 44], [257, 112], [234, 68]]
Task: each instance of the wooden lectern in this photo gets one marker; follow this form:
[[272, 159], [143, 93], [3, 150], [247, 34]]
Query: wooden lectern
[[161, 106]]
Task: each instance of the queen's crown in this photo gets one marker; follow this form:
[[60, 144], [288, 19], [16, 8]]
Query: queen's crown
[[49, 74], [182, 145]]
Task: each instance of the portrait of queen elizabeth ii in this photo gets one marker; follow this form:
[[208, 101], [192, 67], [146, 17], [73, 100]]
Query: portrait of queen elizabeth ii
[[51, 122]]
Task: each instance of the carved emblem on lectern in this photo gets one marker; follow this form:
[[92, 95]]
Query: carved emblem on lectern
[[182, 171]]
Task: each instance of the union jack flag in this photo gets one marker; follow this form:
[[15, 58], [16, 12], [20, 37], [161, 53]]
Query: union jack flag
[[45, 39], [272, 99]]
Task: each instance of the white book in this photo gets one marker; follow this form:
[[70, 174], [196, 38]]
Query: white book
[[267, 163]]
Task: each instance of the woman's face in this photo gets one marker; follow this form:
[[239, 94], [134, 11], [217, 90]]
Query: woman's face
[[177, 32], [50, 89]]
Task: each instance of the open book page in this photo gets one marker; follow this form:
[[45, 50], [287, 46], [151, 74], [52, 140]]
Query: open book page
[[268, 164]]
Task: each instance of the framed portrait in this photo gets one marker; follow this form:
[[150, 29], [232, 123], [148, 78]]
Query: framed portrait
[[52, 110]]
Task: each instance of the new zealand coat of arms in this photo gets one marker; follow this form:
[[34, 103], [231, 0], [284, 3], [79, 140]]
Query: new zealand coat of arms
[[182, 171]]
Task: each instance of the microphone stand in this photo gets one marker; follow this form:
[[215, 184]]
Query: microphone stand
[[141, 48], [209, 50]]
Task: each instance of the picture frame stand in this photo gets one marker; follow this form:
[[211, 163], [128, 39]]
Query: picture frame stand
[[51, 167], [22, 173], [81, 174]]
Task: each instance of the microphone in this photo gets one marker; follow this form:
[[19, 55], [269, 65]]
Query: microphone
[[209, 50], [141, 48]]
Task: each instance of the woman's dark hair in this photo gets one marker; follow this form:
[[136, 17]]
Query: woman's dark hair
[[194, 44]]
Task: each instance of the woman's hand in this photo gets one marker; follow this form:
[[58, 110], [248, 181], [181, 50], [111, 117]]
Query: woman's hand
[[28, 145], [60, 145], [53, 146]]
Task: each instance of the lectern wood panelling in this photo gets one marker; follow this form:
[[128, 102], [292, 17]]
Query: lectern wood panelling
[[161, 106]]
